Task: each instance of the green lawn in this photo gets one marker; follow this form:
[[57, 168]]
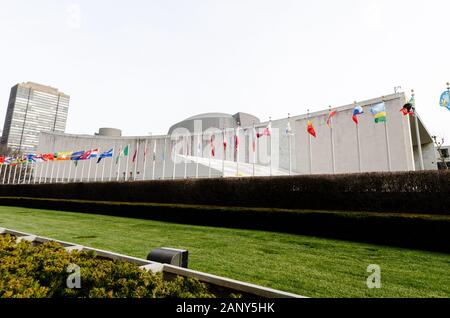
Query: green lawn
[[308, 266]]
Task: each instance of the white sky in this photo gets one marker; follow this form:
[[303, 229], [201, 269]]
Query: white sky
[[143, 65]]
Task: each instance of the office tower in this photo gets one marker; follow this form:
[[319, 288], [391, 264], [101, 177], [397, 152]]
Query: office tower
[[33, 108]]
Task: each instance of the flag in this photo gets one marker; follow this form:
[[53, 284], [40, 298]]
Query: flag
[[267, 131], [7, 160], [31, 158], [118, 155], [445, 100], [106, 154], [134, 156], [122, 153], [330, 116], [38, 158], [88, 154], [146, 149], [224, 141], [213, 149], [48, 157], [379, 112], [288, 128], [63, 156], [154, 151], [356, 112], [408, 108], [311, 130], [76, 155]]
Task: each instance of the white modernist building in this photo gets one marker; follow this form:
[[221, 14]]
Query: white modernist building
[[342, 147]]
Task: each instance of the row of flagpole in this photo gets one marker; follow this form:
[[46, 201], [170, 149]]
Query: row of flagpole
[[379, 114], [45, 170]]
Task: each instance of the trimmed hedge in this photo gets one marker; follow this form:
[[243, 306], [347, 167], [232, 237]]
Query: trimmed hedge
[[28, 271], [407, 192], [427, 232]]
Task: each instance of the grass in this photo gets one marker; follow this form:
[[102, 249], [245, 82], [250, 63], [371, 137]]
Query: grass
[[308, 266]]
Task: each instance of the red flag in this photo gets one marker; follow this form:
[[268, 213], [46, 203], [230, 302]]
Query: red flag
[[213, 150], [408, 109], [48, 157], [224, 142], [330, 116], [134, 156], [311, 130], [267, 131]]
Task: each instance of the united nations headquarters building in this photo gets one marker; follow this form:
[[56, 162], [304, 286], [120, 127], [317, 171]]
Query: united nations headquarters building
[[348, 139]]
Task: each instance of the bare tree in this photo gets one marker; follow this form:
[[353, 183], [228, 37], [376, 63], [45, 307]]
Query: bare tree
[[442, 155]]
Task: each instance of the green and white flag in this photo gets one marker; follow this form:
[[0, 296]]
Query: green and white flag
[[122, 153]]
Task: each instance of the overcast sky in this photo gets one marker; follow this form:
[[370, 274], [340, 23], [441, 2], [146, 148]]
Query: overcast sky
[[143, 65]]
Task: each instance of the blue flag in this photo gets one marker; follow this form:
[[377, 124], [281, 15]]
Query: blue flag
[[107, 154], [445, 100], [77, 155]]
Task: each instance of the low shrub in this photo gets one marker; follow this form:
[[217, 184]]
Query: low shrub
[[425, 192], [40, 271]]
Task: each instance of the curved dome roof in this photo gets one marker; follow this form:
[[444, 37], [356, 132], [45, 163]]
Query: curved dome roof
[[210, 115]]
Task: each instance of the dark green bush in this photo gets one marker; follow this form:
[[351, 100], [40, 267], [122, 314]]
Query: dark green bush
[[408, 192], [28, 271]]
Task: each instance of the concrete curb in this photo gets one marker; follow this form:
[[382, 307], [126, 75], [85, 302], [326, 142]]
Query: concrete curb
[[228, 284]]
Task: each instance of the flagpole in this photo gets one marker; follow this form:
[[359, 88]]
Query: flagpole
[[198, 149], [9, 174], [333, 160], [33, 166], [237, 150], [96, 166], [76, 162], [82, 168], [270, 139], [145, 159], [35, 172], [1, 169], [174, 160], [53, 168], [103, 170], [387, 141], [224, 153], [154, 159], [358, 143], [136, 160], [4, 174], [419, 141], [118, 164], [57, 172], [15, 173], [90, 163], [185, 156], [20, 173], [64, 170], [70, 169], [164, 159], [41, 170], [128, 161], [210, 151], [310, 150], [290, 146], [112, 162], [255, 142]]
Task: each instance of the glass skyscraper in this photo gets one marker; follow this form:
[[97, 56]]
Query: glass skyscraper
[[33, 108]]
